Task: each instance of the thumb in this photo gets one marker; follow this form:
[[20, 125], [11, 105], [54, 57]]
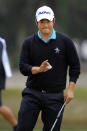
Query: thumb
[[65, 97]]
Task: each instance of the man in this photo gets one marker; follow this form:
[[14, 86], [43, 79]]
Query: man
[[5, 71], [45, 57]]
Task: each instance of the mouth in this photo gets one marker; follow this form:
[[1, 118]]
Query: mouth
[[45, 29]]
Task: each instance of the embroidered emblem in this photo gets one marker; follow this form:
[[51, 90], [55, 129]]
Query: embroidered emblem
[[57, 50]]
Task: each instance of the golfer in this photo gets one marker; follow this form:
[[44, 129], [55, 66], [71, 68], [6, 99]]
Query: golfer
[[45, 57]]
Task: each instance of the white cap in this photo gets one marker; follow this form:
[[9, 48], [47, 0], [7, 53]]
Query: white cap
[[44, 12]]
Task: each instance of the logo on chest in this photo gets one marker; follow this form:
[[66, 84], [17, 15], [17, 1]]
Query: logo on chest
[[57, 50]]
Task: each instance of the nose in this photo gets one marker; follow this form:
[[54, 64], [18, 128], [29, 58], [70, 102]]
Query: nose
[[45, 24]]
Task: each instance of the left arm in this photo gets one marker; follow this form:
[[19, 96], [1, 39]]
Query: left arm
[[74, 69], [69, 95]]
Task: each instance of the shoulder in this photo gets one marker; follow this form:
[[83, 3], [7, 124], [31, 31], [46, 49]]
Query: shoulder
[[2, 42], [65, 38], [62, 36], [29, 39]]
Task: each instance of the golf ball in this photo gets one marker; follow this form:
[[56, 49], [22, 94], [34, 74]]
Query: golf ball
[[49, 67]]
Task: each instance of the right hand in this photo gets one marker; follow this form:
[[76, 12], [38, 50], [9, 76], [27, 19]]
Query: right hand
[[43, 66]]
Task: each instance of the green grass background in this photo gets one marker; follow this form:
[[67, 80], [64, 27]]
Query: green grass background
[[75, 115]]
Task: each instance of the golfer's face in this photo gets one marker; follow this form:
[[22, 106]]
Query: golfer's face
[[45, 26]]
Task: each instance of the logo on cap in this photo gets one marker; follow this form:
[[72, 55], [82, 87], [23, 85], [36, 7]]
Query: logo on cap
[[44, 12]]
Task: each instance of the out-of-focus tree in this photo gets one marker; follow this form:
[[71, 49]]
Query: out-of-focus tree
[[78, 19], [73, 17], [62, 9], [11, 22], [17, 20]]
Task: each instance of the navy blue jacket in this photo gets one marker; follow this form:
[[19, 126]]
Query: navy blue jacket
[[59, 52]]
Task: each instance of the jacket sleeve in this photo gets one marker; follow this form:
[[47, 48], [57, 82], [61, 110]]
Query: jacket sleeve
[[73, 61], [25, 64]]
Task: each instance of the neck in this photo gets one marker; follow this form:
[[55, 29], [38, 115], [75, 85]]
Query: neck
[[45, 36]]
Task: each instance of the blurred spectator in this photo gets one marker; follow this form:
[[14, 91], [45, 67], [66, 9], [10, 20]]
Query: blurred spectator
[[5, 70], [83, 51]]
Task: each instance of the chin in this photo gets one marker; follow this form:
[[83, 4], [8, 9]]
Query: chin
[[46, 32]]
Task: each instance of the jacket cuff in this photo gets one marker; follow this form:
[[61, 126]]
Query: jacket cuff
[[29, 70], [73, 79]]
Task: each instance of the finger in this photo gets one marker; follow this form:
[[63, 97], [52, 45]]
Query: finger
[[68, 100], [45, 61], [65, 97]]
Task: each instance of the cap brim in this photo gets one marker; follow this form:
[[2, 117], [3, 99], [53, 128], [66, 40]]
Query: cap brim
[[44, 17]]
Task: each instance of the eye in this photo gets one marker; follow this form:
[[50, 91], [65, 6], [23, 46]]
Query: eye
[[41, 21], [44, 21]]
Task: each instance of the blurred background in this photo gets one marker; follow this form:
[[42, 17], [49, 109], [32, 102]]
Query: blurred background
[[17, 22]]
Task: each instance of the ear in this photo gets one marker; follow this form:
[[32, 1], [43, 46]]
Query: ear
[[54, 20], [36, 22]]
